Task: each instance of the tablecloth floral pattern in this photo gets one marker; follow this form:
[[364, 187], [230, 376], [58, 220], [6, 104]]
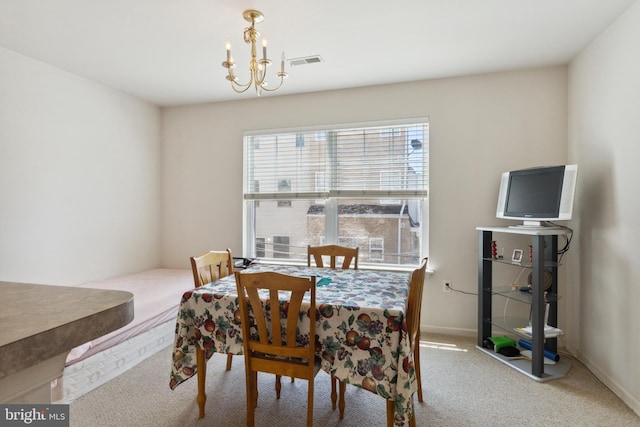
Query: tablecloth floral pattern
[[361, 331]]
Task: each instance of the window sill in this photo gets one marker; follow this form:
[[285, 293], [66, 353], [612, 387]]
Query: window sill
[[365, 266]]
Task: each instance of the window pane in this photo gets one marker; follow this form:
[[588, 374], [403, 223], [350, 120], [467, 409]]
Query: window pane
[[281, 247], [385, 233], [376, 249], [260, 247], [283, 162], [348, 160], [300, 222]]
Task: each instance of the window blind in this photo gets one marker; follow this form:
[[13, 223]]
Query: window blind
[[361, 162]]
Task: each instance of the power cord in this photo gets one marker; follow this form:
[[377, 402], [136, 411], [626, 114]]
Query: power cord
[[561, 252], [459, 291], [567, 240]]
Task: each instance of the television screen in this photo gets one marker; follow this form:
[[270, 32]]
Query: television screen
[[534, 193], [538, 194]]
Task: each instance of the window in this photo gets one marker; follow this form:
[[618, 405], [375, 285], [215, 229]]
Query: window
[[321, 136], [359, 185], [389, 132], [351, 242], [260, 247], [320, 185], [281, 246], [376, 249], [256, 188], [390, 180], [284, 186]]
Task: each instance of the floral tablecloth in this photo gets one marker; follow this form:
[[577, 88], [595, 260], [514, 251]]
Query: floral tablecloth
[[361, 331]]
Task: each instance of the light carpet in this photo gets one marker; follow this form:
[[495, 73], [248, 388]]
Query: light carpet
[[462, 387]]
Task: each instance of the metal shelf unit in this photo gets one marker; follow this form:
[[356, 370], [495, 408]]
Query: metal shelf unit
[[544, 247]]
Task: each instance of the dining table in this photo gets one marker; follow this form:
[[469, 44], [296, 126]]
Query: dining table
[[361, 331]]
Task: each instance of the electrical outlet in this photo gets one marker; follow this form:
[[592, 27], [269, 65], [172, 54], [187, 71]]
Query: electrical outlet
[[446, 286]]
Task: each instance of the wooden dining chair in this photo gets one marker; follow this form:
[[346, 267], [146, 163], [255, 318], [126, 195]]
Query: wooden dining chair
[[414, 309], [275, 349], [207, 268], [211, 266], [412, 317], [349, 255], [333, 251]]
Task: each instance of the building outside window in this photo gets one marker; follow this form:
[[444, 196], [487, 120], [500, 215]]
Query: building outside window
[[281, 247], [260, 247], [361, 185], [348, 241], [376, 249]]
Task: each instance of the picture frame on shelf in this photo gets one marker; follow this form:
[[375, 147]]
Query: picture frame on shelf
[[517, 256]]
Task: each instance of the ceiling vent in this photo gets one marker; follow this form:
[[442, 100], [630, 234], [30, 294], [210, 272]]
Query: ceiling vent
[[305, 60]]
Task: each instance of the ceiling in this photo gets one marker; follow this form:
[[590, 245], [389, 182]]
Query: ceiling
[[169, 52]]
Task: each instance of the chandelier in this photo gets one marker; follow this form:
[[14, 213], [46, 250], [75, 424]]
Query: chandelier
[[257, 67]]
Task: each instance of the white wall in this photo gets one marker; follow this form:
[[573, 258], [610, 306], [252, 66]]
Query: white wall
[[79, 177], [604, 138], [480, 126]]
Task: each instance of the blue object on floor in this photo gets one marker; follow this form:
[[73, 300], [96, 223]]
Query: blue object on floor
[[547, 353]]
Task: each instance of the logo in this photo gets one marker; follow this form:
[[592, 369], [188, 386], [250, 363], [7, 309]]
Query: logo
[[34, 415]]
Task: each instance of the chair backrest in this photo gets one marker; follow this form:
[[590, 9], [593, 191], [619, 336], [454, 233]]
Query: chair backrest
[[414, 302], [211, 266], [271, 341], [333, 251]]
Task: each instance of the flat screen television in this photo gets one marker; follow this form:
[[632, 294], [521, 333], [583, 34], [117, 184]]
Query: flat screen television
[[537, 195]]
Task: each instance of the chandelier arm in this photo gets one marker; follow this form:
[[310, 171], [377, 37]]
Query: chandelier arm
[[243, 90], [239, 87], [277, 87]]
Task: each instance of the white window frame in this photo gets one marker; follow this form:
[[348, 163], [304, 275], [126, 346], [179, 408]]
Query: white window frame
[[331, 195]]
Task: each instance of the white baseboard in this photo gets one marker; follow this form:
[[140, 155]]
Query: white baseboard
[[441, 330], [613, 385], [616, 388]]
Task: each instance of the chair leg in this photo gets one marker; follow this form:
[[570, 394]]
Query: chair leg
[[251, 398], [343, 386], [334, 395], [229, 360], [416, 364], [201, 364], [310, 404], [278, 386], [255, 390], [391, 408], [412, 421]]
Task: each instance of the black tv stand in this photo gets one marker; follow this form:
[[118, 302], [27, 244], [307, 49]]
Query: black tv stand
[[544, 250]]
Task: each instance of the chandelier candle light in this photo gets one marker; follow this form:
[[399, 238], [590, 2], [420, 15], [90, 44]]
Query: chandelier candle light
[[257, 67]]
